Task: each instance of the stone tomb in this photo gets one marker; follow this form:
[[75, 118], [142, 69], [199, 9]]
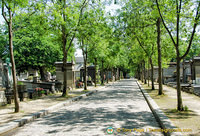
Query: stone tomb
[[90, 73], [70, 74], [196, 75]]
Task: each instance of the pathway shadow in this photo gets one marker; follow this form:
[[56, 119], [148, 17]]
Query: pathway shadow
[[89, 118]]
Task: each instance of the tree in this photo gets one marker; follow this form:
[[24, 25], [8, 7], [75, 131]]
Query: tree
[[160, 90], [176, 42], [34, 41], [66, 16], [9, 7]]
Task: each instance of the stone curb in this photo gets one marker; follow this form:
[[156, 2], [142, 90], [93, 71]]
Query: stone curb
[[29, 118], [161, 118]]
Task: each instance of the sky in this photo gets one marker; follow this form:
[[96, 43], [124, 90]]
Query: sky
[[1, 18]]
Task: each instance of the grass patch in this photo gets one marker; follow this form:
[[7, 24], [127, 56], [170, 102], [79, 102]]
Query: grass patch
[[85, 90]]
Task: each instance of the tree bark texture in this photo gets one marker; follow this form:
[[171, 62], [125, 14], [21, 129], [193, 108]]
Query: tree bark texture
[[152, 73], [160, 90]]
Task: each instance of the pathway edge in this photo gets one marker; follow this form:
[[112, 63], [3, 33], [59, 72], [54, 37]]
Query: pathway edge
[[161, 118]]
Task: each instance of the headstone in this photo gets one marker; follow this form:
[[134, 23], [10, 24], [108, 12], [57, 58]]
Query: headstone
[[23, 76], [32, 72], [70, 74]]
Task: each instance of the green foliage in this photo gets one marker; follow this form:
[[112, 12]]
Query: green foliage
[[34, 41]]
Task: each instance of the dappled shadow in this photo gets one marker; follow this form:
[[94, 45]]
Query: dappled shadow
[[104, 109], [173, 114], [121, 105], [89, 117]]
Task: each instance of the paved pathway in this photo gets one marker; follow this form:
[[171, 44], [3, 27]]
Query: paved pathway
[[120, 105]]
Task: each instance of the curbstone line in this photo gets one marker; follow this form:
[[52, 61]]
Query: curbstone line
[[20, 122], [162, 119]]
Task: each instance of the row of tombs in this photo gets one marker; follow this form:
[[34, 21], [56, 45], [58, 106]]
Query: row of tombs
[[30, 85], [190, 75]]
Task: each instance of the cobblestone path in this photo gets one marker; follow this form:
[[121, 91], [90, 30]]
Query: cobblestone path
[[120, 106]]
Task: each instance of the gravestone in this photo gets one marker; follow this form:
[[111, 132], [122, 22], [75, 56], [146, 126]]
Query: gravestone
[[23, 76], [32, 72], [70, 74]]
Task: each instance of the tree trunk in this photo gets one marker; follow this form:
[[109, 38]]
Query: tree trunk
[[160, 90], [141, 73], [85, 75], [102, 74], [152, 73], [184, 75], [42, 73], [148, 72], [179, 98], [112, 74], [64, 42], [145, 80], [118, 71], [95, 74], [65, 92], [15, 92], [115, 74], [163, 81], [107, 76]]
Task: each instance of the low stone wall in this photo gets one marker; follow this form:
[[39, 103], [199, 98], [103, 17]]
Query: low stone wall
[[45, 85], [2, 98]]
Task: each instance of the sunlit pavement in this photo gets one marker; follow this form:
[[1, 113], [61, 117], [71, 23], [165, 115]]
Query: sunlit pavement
[[120, 106]]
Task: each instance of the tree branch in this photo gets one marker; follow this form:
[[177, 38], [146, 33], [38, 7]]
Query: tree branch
[[80, 16], [142, 46], [3, 14], [165, 24], [193, 32]]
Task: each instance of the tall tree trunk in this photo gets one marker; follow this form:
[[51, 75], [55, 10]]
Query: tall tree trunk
[[85, 75], [118, 70], [64, 42], [184, 74], [115, 74], [152, 73], [107, 76], [64, 69], [145, 80], [15, 92], [179, 98], [42, 73], [148, 72], [141, 73], [95, 74], [163, 80], [102, 73], [112, 74], [178, 60], [160, 90]]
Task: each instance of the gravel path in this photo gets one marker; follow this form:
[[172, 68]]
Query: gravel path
[[120, 106]]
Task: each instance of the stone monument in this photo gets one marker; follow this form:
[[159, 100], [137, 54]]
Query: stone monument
[[70, 74]]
